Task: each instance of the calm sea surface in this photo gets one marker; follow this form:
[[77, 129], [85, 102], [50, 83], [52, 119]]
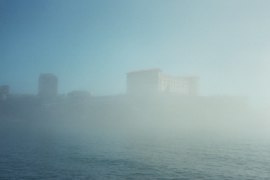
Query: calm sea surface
[[28, 154]]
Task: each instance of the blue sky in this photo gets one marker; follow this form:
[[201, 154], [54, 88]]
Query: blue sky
[[90, 45]]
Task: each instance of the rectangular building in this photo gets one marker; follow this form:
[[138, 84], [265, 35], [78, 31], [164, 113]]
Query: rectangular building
[[4, 92], [153, 81], [47, 86]]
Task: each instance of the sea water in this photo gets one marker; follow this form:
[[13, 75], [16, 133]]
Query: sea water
[[32, 154]]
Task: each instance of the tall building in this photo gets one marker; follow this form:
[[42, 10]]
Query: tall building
[[4, 91], [48, 86], [153, 81]]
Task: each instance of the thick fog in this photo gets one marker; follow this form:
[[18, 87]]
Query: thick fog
[[88, 51], [134, 89]]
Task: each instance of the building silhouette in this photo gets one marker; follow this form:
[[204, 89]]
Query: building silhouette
[[153, 81], [47, 86], [4, 92]]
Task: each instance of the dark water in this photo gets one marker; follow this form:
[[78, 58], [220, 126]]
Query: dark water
[[28, 154]]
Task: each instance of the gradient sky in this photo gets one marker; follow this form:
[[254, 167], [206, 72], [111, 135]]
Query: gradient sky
[[90, 45]]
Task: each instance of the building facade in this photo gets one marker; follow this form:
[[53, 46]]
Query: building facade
[[153, 81], [48, 86]]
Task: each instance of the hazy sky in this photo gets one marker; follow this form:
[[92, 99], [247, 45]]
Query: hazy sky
[[90, 45]]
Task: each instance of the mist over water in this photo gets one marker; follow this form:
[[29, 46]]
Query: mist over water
[[129, 137], [82, 95], [123, 137], [130, 151]]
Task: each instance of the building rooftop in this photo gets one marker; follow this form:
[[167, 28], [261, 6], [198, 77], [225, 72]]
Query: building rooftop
[[145, 70]]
